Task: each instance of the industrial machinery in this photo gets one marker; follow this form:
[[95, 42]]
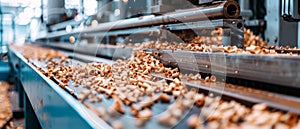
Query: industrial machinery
[[157, 64], [290, 10]]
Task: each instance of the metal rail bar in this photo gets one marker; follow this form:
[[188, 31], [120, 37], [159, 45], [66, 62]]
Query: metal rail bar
[[283, 70]]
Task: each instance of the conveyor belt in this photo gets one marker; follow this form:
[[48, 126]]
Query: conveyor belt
[[244, 95], [54, 107], [128, 120], [281, 70], [247, 96]]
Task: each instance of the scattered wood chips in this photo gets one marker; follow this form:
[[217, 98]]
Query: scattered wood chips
[[5, 108]]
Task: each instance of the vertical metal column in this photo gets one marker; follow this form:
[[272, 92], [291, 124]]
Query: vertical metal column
[[278, 31], [53, 12], [31, 121], [244, 4], [19, 86], [20, 91], [14, 29], [245, 8]]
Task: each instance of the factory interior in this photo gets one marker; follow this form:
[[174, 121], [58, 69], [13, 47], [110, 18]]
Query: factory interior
[[149, 64]]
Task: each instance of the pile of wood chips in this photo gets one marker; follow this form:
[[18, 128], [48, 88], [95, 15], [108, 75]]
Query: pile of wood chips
[[5, 108]]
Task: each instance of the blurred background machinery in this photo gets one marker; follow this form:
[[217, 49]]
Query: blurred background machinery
[[270, 20]]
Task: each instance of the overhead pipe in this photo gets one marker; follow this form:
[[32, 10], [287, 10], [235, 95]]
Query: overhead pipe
[[223, 9]]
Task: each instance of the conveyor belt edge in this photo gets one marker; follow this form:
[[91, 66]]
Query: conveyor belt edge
[[53, 107]]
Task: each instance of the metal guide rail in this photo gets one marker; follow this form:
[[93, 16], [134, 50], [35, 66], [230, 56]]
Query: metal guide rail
[[274, 69]]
